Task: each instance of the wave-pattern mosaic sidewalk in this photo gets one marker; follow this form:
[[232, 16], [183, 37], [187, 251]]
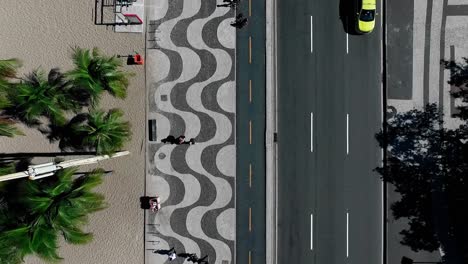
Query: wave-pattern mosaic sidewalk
[[191, 91], [421, 33]]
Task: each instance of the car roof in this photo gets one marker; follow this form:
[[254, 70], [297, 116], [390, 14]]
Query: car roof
[[368, 4]]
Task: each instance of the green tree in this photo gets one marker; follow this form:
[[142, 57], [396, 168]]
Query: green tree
[[459, 78], [427, 165], [95, 73], [35, 213], [39, 95], [7, 70], [97, 131], [414, 146]]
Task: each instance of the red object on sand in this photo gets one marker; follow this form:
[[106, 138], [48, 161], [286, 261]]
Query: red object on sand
[[138, 59]]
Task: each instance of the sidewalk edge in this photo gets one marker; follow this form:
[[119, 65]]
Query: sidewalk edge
[[270, 155]]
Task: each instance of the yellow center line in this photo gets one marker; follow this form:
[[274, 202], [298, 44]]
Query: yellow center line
[[250, 257], [250, 91], [250, 50], [250, 7], [250, 132], [250, 219], [250, 175]]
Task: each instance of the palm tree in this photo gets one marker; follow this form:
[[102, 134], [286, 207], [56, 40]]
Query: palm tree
[[51, 207], [95, 73], [40, 96], [7, 70], [97, 131]]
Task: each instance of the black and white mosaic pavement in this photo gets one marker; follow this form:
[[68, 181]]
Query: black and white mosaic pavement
[[190, 72]]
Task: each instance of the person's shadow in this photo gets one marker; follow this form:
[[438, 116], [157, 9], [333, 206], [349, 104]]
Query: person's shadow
[[348, 15], [169, 139], [145, 202]]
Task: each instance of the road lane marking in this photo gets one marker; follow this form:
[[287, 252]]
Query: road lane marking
[[250, 8], [311, 34], [250, 91], [250, 257], [311, 132], [311, 231], [347, 43], [347, 133], [347, 234], [250, 50], [250, 219], [250, 132], [250, 175]]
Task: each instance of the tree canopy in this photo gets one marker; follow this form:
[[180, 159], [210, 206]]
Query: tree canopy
[[33, 214], [428, 166]]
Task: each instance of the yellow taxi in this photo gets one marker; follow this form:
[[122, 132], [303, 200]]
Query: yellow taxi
[[366, 16]]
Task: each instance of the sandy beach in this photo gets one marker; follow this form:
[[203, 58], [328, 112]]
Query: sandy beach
[[41, 33]]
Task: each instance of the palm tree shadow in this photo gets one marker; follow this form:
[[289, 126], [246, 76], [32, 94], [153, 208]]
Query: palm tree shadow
[[66, 135], [348, 10]]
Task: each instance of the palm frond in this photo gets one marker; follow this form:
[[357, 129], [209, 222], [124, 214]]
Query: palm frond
[[53, 206], [96, 73], [38, 204], [44, 243], [40, 95], [8, 130], [8, 68], [76, 236]]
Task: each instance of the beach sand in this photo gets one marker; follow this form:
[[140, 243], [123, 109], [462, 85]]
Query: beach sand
[[41, 34]]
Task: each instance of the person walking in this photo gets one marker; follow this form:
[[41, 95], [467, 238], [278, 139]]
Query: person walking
[[193, 258], [155, 204]]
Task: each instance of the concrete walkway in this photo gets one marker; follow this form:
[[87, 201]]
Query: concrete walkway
[[191, 91], [420, 34]]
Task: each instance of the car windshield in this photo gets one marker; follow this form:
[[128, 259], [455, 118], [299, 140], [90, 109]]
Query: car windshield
[[367, 15]]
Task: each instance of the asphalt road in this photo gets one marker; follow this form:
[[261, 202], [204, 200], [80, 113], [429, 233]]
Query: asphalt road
[[329, 103]]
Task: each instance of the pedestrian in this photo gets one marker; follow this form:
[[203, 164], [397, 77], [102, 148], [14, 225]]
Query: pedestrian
[[180, 140], [155, 204], [193, 258], [171, 253], [172, 256], [190, 142]]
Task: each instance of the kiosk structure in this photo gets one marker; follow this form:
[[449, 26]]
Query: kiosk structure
[[117, 13]]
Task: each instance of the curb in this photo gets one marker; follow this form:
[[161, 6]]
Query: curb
[[271, 128]]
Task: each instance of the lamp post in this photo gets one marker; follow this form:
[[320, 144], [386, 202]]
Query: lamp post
[[36, 172]]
